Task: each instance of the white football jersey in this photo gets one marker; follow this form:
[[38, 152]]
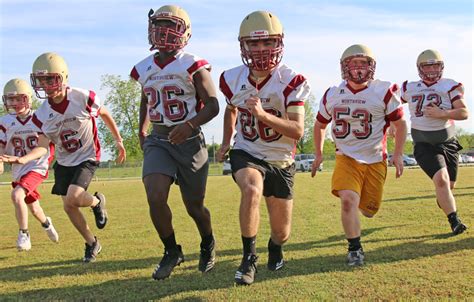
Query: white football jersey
[[172, 97], [282, 89], [361, 118], [71, 126], [19, 137], [419, 95]]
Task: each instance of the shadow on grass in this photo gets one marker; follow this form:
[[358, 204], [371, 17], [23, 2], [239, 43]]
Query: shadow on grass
[[432, 196], [186, 279]]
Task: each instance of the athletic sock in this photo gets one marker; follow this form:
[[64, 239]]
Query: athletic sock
[[249, 245], [354, 244], [169, 242]]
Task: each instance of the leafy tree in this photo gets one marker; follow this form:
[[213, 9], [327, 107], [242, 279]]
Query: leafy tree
[[123, 102], [305, 144]]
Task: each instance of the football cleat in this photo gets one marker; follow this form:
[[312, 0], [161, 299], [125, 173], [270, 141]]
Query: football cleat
[[245, 274], [23, 243], [100, 212], [355, 258], [457, 226], [171, 258], [207, 258], [51, 231], [91, 251]]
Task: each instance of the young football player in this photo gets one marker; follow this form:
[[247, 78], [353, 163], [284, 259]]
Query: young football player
[[178, 96], [435, 103], [265, 106], [18, 136], [67, 119], [361, 110]]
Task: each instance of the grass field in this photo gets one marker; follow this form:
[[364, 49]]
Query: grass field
[[410, 253]]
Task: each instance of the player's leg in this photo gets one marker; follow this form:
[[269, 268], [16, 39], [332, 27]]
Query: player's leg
[[18, 194], [247, 173], [193, 167]]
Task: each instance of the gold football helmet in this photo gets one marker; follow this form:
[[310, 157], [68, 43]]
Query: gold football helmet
[[169, 28], [362, 73], [17, 96], [261, 25], [50, 74], [430, 57]]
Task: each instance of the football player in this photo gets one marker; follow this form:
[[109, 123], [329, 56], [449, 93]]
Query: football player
[[265, 107], [435, 103], [178, 96], [18, 136], [67, 119], [361, 110]]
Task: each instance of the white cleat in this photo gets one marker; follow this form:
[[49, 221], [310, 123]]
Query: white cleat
[[23, 243], [51, 231]]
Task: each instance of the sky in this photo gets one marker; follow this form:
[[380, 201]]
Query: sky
[[110, 37]]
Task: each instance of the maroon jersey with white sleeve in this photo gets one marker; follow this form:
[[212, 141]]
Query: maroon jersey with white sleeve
[[172, 97], [360, 118], [419, 95], [71, 126], [283, 91], [19, 137]]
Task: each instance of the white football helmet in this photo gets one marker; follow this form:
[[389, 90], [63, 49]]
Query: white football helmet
[[17, 96], [173, 36], [362, 74], [50, 74], [430, 57]]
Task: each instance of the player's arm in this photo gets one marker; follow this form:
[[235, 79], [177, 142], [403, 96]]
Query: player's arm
[[2, 151], [40, 150], [207, 93], [110, 123], [143, 120], [458, 113], [319, 133], [400, 138], [230, 117]]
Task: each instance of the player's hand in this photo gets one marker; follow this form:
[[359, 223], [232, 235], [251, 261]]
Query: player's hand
[[180, 133], [141, 140], [397, 161], [431, 110], [122, 155], [318, 159], [254, 104], [221, 153], [12, 159]]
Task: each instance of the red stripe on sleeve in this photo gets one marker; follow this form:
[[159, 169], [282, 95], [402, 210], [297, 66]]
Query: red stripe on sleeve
[[3, 128], [325, 101], [3, 142], [391, 91], [297, 103], [456, 98], [90, 101], [395, 115], [225, 88], [197, 65], [295, 82], [134, 74], [36, 121], [454, 88], [404, 86], [322, 119]]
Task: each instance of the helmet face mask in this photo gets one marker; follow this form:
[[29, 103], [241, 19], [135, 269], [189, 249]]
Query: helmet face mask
[[430, 65], [358, 64], [169, 28], [17, 96], [49, 75], [261, 41]]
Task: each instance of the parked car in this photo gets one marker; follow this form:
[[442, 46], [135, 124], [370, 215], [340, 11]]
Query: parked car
[[407, 160], [465, 158], [304, 162], [226, 168]]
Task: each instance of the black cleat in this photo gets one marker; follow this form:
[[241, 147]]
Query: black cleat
[[91, 251], [355, 258], [457, 226], [171, 258], [245, 274], [207, 258], [100, 212], [275, 260]]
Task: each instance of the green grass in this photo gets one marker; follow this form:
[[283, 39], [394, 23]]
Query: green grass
[[409, 251]]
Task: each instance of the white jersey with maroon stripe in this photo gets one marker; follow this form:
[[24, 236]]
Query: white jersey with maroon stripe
[[172, 97], [360, 118], [282, 89], [71, 126], [19, 137], [419, 95]]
